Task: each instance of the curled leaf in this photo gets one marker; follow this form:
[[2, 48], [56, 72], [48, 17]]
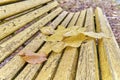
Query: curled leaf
[[33, 58], [75, 41]]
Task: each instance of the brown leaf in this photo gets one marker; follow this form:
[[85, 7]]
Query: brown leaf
[[33, 58]]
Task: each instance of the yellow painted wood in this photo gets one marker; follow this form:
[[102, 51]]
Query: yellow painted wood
[[109, 53], [9, 46], [66, 68], [89, 22], [81, 18], [59, 19], [86, 69], [67, 20], [73, 21], [8, 71], [48, 70], [7, 1], [8, 10], [88, 62], [30, 70], [107, 30], [13, 25]]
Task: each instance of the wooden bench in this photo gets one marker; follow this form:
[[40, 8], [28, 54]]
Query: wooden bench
[[93, 60]]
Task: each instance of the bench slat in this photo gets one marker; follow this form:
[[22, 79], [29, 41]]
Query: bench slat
[[32, 69], [59, 19], [73, 21], [8, 10], [67, 20], [88, 62], [81, 20], [13, 43], [7, 1], [66, 68], [11, 70], [13, 25], [109, 53], [48, 70]]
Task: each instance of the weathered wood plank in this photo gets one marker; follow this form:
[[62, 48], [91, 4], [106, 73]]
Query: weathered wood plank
[[7, 1], [9, 46], [8, 10], [9, 71], [48, 70], [88, 63], [109, 53], [13, 25], [32, 69], [81, 18], [66, 68], [67, 20], [73, 21], [59, 19]]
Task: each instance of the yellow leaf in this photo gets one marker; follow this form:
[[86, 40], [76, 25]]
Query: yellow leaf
[[95, 35], [75, 41], [58, 35], [47, 30], [72, 31]]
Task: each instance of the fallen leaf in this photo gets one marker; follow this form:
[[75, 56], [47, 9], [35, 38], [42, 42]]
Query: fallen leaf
[[75, 41], [58, 35], [33, 58], [72, 36], [73, 31], [95, 35]]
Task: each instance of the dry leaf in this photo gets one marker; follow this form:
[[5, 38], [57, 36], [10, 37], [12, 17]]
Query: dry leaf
[[33, 58], [72, 36], [73, 31], [75, 41], [58, 35], [95, 35]]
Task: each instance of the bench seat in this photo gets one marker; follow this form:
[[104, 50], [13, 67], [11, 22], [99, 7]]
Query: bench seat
[[19, 31]]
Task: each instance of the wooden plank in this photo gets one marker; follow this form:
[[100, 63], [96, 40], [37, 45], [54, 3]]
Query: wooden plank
[[108, 50], [8, 10], [9, 71], [13, 25], [66, 68], [81, 19], [17, 61], [48, 70], [73, 21], [7, 1], [67, 20], [88, 63], [9, 46], [30, 71], [52, 69], [59, 19]]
